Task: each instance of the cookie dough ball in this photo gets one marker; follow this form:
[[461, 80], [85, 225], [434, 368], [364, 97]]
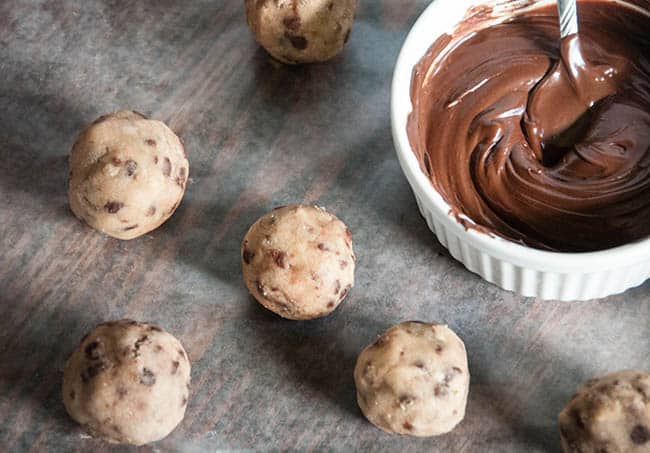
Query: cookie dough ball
[[413, 380], [127, 382], [127, 174], [298, 261], [610, 413], [301, 31]]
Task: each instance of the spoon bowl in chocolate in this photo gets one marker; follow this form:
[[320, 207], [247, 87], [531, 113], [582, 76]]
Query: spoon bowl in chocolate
[[558, 110]]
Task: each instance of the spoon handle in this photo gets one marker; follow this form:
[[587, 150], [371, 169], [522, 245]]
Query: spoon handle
[[568, 13]]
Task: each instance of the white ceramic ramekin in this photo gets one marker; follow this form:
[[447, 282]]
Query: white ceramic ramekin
[[527, 271]]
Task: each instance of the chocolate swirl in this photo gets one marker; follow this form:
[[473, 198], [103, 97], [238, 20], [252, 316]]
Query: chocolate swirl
[[543, 145]]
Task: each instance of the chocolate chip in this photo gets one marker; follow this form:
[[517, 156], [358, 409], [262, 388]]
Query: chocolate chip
[[147, 377], [131, 166], [175, 365], [577, 419], [247, 256], [150, 142], [180, 180], [158, 348], [155, 159], [314, 276], [121, 392], [117, 429], [72, 394], [330, 6], [345, 292], [419, 364], [640, 435], [343, 264], [407, 399], [184, 401], [407, 426], [442, 388], [113, 206], [92, 371], [117, 161], [347, 36], [438, 349], [330, 304], [298, 42], [167, 167], [138, 344], [131, 227], [92, 351], [279, 257], [141, 115], [181, 353], [151, 211], [451, 374], [641, 391], [292, 23], [322, 247], [101, 119]]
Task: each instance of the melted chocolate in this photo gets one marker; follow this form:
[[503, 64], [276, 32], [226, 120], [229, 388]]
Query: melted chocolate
[[544, 144]]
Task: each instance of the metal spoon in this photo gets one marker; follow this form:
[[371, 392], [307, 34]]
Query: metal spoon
[[568, 13]]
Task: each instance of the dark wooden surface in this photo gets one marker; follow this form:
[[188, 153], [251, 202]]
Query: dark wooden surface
[[258, 134]]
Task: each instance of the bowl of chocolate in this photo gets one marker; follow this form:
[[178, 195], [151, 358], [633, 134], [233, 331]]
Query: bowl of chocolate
[[529, 155]]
